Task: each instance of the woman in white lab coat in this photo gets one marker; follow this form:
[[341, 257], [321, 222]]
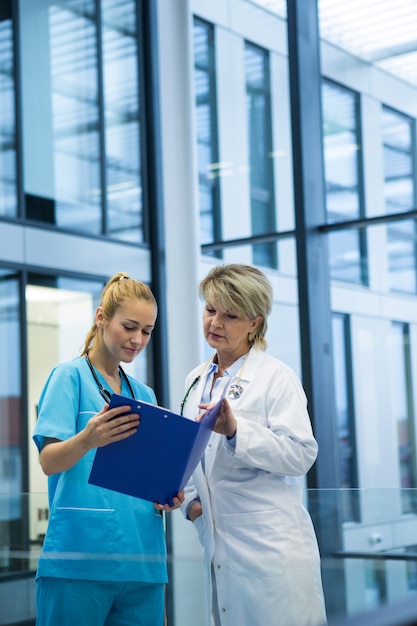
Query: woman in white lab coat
[[245, 497]]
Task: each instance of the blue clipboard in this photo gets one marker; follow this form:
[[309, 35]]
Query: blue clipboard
[[157, 461]]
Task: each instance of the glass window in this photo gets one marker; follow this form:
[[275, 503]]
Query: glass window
[[347, 255], [411, 569], [61, 113], [258, 101], [276, 6], [400, 196], [75, 115], [59, 312], [121, 110], [375, 584], [12, 435], [207, 146], [80, 107], [342, 167], [402, 407], [345, 418], [8, 196]]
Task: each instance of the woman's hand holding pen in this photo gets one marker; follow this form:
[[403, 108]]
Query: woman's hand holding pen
[[226, 423]]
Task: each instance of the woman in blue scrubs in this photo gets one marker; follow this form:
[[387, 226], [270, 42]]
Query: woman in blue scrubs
[[103, 561]]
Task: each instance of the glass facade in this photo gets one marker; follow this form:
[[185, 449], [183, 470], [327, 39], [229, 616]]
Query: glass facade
[[206, 122], [258, 103], [59, 311], [403, 411], [376, 588], [8, 165], [71, 178], [12, 427], [78, 152], [122, 111], [400, 196], [81, 113], [342, 159], [342, 359]]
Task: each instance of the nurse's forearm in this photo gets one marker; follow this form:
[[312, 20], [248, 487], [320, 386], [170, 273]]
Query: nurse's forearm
[[57, 456]]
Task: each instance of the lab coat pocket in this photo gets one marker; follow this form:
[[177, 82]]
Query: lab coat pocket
[[255, 543], [250, 416]]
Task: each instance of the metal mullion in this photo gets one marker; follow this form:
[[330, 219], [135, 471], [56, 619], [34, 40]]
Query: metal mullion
[[368, 221], [150, 119], [101, 119], [314, 284], [363, 241], [251, 240], [217, 226]]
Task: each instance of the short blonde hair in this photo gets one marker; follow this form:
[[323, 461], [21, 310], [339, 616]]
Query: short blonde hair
[[115, 293], [243, 289]]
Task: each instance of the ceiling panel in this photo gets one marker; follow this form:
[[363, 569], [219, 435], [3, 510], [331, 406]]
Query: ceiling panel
[[382, 32]]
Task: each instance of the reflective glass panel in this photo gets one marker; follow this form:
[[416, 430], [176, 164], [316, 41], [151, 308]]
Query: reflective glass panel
[[399, 191], [346, 261], [75, 115], [403, 413], [342, 181], [375, 584], [412, 570], [206, 118], [402, 255], [61, 113], [258, 103], [345, 418], [340, 153], [8, 199], [60, 312], [124, 196], [12, 462]]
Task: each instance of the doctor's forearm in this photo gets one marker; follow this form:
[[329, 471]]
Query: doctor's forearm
[[194, 510]]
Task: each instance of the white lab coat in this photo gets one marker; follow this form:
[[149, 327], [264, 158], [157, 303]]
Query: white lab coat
[[258, 538]]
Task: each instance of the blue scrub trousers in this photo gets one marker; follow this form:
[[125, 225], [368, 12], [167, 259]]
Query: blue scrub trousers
[[68, 602]]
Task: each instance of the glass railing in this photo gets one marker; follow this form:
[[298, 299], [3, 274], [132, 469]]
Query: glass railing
[[367, 539]]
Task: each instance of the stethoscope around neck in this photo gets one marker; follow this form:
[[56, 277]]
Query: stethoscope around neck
[[234, 391], [105, 394]]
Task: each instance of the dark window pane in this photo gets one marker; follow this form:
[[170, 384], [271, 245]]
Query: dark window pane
[[402, 406], [61, 114], [399, 192], [207, 149], [122, 135], [12, 446], [8, 196], [260, 149], [347, 262], [345, 417], [340, 154], [77, 172], [342, 165]]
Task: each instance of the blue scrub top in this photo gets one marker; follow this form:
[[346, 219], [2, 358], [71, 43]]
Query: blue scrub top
[[93, 533]]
